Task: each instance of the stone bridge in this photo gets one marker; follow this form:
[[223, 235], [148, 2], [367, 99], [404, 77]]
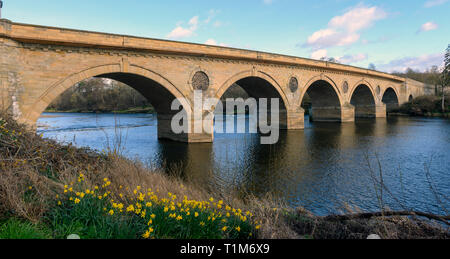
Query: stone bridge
[[38, 63]]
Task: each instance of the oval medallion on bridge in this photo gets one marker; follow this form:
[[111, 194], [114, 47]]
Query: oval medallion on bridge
[[200, 81], [378, 90], [345, 87], [293, 84]]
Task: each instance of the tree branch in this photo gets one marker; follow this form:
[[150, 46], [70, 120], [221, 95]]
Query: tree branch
[[444, 219]]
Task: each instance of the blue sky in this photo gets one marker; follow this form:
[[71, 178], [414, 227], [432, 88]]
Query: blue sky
[[393, 35]]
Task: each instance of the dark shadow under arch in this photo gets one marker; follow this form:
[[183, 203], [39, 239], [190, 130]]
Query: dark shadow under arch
[[390, 98], [257, 88], [154, 92], [157, 95], [325, 102], [364, 102]]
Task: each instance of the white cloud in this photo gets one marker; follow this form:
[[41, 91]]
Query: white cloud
[[213, 42], [211, 14], [350, 59], [318, 54], [420, 63], [346, 29], [218, 24], [194, 23], [182, 32], [268, 2], [429, 26], [433, 3]]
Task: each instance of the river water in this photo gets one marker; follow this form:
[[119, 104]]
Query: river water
[[324, 168]]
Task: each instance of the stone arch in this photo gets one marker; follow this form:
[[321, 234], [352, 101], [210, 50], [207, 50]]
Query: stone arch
[[391, 99], [326, 99], [322, 78], [363, 99], [150, 84], [251, 74], [259, 84], [368, 85]]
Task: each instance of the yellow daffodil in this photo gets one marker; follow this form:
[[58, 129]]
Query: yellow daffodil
[[146, 235]]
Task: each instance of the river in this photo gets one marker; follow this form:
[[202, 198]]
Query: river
[[324, 168]]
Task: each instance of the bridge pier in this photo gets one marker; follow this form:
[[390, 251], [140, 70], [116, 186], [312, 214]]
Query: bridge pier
[[333, 113], [292, 120], [381, 111], [371, 111], [193, 133]]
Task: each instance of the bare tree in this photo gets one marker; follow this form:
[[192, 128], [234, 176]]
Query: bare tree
[[445, 75], [434, 78]]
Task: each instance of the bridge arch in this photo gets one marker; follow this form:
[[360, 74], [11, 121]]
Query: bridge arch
[[363, 98], [259, 75], [391, 99], [368, 85], [326, 79], [157, 89], [326, 99], [259, 84]]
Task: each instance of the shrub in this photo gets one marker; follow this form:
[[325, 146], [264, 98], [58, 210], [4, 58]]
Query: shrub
[[424, 105]]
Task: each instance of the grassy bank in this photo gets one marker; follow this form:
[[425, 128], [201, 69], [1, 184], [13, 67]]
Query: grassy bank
[[427, 106], [60, 190], [49, 190]]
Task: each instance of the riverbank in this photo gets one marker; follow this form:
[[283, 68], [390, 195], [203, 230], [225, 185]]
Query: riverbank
[[133, 110], [424, 106], [48, 190]]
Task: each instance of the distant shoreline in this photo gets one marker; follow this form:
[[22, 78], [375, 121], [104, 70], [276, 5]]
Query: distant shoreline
[[141, 110], [426, 115]]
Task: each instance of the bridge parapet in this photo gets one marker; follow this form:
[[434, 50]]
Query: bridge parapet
[[71, 37]]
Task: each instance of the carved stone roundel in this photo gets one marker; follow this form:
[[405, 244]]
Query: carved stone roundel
[[200, 81], [293, 84], [345, 87], [378, 90]]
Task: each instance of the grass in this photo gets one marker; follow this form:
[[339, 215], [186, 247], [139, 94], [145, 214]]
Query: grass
[[88, 220], [18, 229]]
